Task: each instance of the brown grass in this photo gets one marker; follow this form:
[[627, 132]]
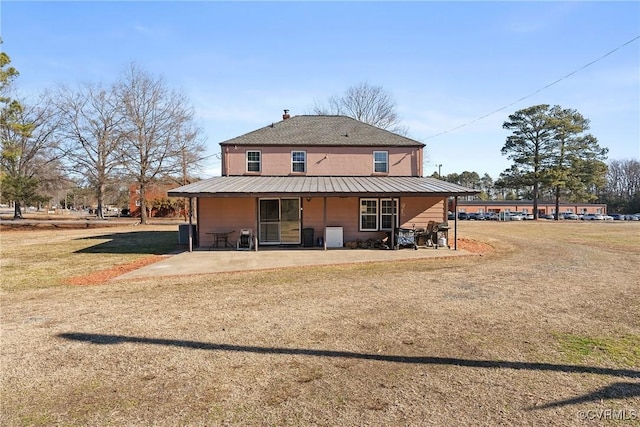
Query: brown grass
[[543, 329]]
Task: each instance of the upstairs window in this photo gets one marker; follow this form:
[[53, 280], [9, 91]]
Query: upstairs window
[[381, 161], [253, 161], [298, 161]]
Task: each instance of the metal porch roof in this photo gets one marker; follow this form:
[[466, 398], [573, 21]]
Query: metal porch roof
[[251, 186]]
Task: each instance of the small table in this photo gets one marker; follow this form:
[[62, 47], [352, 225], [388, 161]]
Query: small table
[[220, 238]]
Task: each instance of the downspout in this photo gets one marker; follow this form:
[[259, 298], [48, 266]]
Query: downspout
[[324, 222]]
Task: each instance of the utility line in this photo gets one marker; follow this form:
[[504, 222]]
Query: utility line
[[537, 91]]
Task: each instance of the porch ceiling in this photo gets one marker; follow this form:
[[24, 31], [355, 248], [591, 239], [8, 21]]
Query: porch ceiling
[[362, 186]]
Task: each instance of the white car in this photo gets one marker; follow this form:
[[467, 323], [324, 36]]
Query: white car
[[593, 217], [515, 216]]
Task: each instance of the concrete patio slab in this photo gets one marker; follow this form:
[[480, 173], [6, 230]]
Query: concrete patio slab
[[210, 262]]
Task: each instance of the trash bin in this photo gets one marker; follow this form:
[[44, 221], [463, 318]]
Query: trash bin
[[307, 237], [183, 234]]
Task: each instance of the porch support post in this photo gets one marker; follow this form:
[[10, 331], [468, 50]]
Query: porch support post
[[324, 223], [257, 233], [393, 222], [190, 224], [455, 224]]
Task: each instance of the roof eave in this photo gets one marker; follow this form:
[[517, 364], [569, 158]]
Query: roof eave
[[318, 194]]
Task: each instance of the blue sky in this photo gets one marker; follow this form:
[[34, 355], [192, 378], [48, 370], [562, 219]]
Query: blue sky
[[446, 64]]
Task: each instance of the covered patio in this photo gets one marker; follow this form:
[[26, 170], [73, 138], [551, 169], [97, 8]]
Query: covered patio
[[277, 209]]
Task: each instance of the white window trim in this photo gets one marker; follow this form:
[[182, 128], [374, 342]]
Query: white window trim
[[386, 163], [361, 213], [304, 162], [397, 216], [246, 157]]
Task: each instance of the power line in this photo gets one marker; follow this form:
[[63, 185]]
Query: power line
[[537, 91]]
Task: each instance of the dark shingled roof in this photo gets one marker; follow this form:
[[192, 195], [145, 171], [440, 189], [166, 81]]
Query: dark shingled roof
[[364, 186], [322, 131]]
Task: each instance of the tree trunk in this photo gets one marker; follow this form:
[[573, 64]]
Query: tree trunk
[[144, 219], [100, 210], [535, 200], [17, 212], [557, 215], [187, 208]]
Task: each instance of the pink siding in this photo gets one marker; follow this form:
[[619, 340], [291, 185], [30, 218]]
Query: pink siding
[[419, 211], [324, 161], [225, 214]]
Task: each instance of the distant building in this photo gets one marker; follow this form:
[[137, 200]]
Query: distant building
[[153, 192], [526, 206]]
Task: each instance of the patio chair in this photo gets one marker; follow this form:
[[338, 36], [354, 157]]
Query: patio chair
[[245, 240]]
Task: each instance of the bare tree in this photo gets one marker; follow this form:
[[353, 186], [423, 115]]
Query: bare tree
[[91, 118], [366, 103], [155, 119], [191, 149]]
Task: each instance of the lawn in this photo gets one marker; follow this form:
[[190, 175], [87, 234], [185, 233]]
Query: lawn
[[542, 330]]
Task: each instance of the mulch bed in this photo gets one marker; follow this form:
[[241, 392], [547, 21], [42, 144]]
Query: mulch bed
[[103, 276], [474, 246]]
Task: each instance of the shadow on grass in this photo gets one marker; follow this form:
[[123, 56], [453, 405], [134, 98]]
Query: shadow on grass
[[470, 363], [613, 391], [137, 242], [619, 390]]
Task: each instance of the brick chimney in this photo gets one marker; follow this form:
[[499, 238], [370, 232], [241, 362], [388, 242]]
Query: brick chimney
[[286, 115]]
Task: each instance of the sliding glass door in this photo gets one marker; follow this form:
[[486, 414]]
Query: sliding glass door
[[279, 221]]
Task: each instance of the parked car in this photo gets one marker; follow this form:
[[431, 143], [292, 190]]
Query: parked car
[[528, 216], [514, 216], [451, 215], [463, 215], [618, 217], [570, 216], [634, 217], [607, 217], [491, 216], [593, 217], [549, 216], [476, 216]]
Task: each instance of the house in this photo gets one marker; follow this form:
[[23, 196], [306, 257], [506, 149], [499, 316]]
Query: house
[[310, 178], [526, 206]]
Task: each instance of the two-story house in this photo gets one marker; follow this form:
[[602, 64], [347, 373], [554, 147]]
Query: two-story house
[[328, 174]]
